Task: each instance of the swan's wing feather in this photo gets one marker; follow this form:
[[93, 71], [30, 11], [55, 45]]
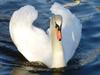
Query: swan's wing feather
[[31, 41], [71, 36], [71, 30]]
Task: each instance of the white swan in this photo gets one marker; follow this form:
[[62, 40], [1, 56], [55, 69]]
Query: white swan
[[35, 45]]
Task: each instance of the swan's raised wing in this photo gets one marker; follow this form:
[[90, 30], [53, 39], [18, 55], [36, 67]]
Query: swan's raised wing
[[31, 41], [71, 30]]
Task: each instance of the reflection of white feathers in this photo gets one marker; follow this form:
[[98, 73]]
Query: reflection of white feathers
[[75, 3], [33, 42]]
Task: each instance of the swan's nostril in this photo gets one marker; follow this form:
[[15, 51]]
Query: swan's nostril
[[59, 39]]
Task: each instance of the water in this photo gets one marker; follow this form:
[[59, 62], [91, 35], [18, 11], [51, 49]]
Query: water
[[87, 57]]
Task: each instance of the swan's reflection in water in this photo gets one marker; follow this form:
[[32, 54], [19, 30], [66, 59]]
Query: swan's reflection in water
[[56, 73], [24, 71], [19, 71]]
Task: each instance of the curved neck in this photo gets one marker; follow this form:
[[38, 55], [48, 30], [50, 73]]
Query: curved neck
[[58, 55]]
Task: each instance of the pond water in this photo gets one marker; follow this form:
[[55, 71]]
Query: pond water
[[87, 57]]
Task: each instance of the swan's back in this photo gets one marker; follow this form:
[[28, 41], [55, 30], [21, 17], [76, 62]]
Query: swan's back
[[71, 30], [31, 41]]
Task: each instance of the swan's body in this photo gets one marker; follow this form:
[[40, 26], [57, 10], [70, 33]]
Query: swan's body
[[35, 44]]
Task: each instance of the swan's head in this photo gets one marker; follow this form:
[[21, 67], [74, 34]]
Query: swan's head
[[56, 41], [56, 25]]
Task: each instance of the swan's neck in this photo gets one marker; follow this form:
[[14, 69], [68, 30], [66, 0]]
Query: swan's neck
[[58, 55]]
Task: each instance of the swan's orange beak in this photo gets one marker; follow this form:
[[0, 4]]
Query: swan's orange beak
[[59, 35], [58, 28]]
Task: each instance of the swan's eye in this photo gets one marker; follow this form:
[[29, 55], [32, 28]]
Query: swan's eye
[[58, 26]]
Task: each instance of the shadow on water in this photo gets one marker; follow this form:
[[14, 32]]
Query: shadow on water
[[23, 71]]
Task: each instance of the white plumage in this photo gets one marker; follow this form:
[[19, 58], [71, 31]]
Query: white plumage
[[35, 44], [71, 30]]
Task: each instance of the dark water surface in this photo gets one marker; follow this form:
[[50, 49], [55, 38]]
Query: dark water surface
[[87, 57]]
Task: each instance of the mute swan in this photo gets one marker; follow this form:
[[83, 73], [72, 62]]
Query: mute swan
[[54, 50]]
